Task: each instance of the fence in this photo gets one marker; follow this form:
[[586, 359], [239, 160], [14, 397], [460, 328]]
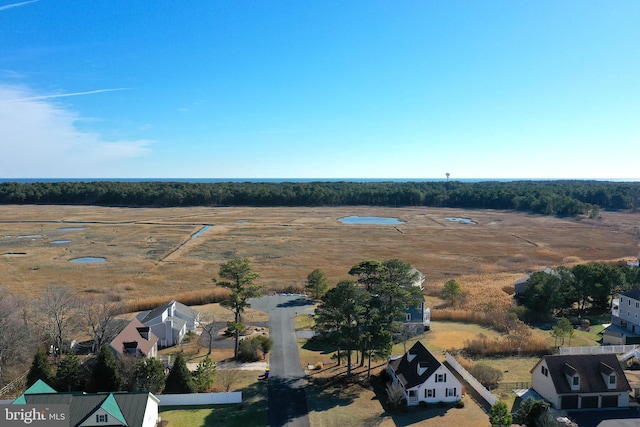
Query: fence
[[482, 391], [516, 385], [199, 399], [603, 349]]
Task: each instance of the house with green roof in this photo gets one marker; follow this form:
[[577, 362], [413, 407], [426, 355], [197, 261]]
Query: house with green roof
[[99, 409]]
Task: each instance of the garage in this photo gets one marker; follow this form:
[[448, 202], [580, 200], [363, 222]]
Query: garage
[[610, 401], [589, 402], [569, 402]]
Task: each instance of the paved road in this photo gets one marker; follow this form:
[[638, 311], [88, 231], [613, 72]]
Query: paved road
[[287, 398]]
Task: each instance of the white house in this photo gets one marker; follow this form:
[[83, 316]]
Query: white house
[[581, 381], [170, 322], [423, 378], [625, 319]]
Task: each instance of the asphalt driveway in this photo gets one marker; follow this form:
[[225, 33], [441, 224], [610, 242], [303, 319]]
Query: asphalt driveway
[[287, 397]]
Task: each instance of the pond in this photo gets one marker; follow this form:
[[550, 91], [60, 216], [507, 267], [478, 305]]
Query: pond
[[462, 220], [60, 242], [14, 254], [72, 228], [199, 232], [370, 220], [88, 259]]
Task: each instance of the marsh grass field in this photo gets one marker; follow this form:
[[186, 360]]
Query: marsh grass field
[[150, 252]]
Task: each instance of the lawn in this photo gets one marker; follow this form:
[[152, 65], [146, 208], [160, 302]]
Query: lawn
[[251, 412]]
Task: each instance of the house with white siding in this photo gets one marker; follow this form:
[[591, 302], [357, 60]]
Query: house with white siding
[[423, 378], [581, 381]]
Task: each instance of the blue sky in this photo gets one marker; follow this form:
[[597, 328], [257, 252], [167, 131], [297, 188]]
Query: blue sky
[[319, 89]]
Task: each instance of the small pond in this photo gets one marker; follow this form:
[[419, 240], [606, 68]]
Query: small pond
[[88, 259], [462, 220], [14, 254], [370, 220], [72, 228], [60, 242]]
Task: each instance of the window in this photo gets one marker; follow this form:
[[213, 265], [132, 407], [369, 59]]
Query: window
[[430, 392], [451, 392], [102, 418], [576, 380], [441, 378], [544, 371], [637, 304], [612, 379], [408, 317]]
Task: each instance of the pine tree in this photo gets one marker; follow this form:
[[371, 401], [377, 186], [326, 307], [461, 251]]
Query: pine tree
[[40, 369], [106, 373], [204, 375], [69, 374], [149, 375], [179, 379]]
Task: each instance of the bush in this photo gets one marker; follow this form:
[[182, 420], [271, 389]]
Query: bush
[[249, 350], [459, 404], [488, 376], [423, 405]]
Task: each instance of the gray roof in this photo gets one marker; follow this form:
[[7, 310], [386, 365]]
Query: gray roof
[[157, 312], [634, 293], [132, 405], [590, 368], [407, 371]]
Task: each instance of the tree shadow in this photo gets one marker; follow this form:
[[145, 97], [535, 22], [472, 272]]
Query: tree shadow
[[251, 412], [298, 302]]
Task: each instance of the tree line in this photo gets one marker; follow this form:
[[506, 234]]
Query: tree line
[[544, 197], [584, 286]]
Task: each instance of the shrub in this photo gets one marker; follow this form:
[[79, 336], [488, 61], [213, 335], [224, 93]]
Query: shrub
[[249, 350], [488, 376], [423, 405], [459, 404]]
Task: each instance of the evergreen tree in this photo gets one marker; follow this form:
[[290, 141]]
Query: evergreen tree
[[317, 283], [240, 278], [500, 416], [106, 373], [69, 374], [204, 375], [40, 369], [149, 375], [179, 379]]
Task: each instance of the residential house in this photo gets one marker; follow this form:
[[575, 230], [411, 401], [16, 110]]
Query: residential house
[[423, 378], [625, 319], [581, 381], [136, 340], [170, 322], [417, 319], [101, 409]]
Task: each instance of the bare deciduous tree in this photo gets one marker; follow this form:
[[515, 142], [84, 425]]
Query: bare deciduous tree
[[227, 378], [210, 329], [17, 342], [57, 315], [98, 315]]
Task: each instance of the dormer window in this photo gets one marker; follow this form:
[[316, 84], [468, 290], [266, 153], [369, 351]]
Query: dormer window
[[576, 381], [422, 367], [102, 418], [612, 380], [411, 356]]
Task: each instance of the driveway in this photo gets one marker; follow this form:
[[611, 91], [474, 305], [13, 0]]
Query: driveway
[[287, 397]]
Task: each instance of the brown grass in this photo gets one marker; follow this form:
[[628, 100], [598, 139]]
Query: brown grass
[[285, 244]]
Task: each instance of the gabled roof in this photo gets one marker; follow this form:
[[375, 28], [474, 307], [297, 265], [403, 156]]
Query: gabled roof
[[133, 333], [39, 387], [592, 370], [406, 368], [157, 312], [128, 408]]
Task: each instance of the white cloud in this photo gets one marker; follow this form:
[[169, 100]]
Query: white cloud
[[40, 139], [11, 6]]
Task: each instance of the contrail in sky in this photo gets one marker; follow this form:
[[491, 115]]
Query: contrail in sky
[[64, 95], [11, 6]]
